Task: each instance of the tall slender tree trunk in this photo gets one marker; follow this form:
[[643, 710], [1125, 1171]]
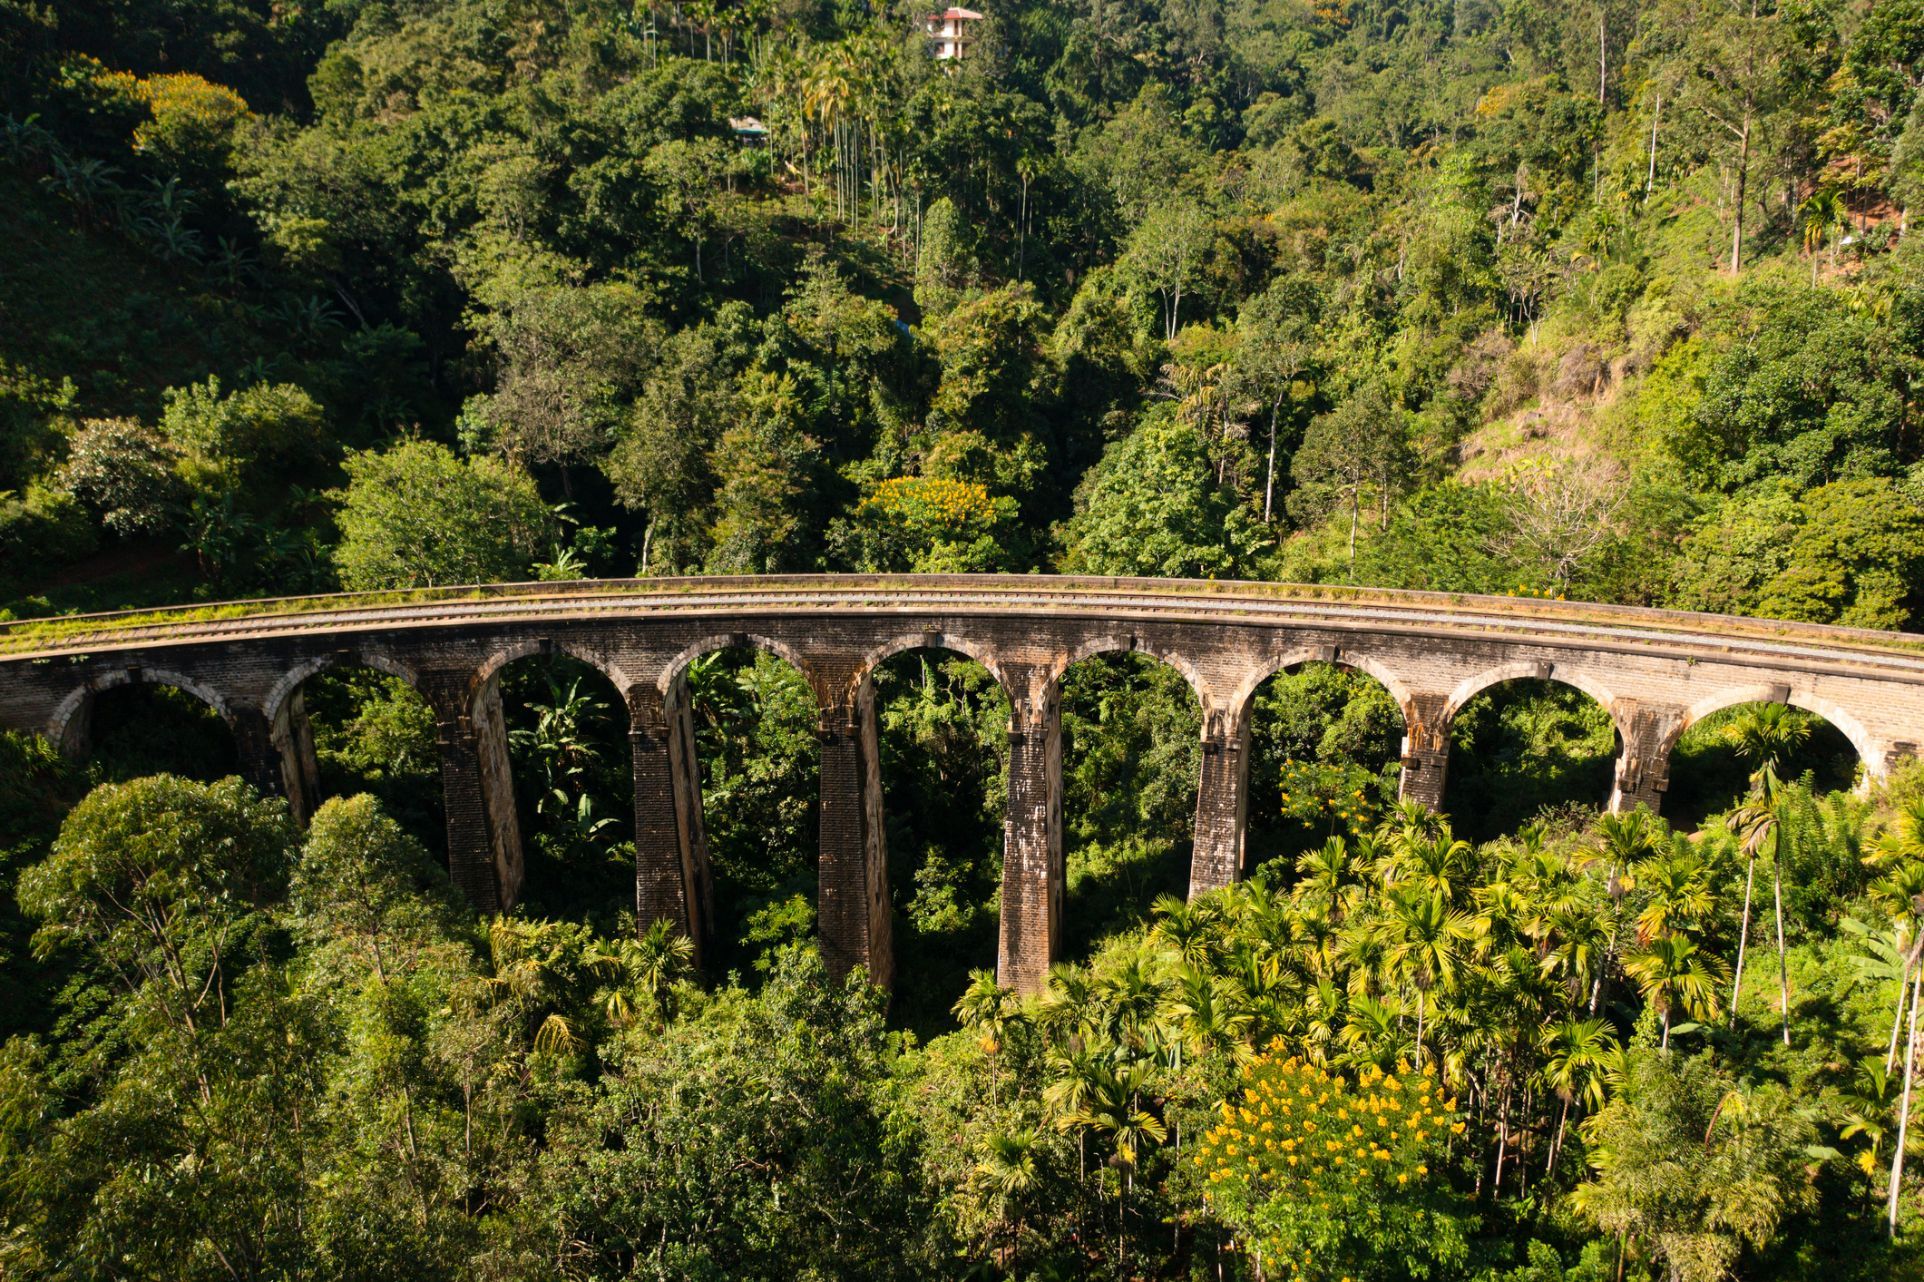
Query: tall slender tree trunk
[[1743, 187], [1897, 1020], [1650, 176], [1904, 1110], [1743, 941], [1783, 966], [1269, 482]]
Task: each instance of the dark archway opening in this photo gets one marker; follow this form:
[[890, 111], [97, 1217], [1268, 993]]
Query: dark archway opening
[[1325, 744], [944, 724], [1525, 749], [374, 733], [756, 738], [1131, 761], [150, 728], [1710, 766], [573, 788]]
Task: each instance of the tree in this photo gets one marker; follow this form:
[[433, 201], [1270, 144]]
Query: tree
[[568, 362], [1152, 506], [251, 443], [764, 466], [417, 516], [1763, 734], [1742, 70], [155, 882], [1856, 559], [1363, 443], [660, 464], [1699, 1204], [124, 473], [1165, 251], [690, 173], [1675, 975]]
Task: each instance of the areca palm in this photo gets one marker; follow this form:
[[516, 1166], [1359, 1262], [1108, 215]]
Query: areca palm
[[1764, 734], [1674, 974], [1677, 884], [1007, 1174], [1184, 926], [1424, 947], [1330, 878], [1208, 1017], [1575, 1053], [1433, 860]]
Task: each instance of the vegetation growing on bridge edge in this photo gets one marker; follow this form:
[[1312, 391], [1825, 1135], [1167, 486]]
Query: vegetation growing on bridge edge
[[74, 633]]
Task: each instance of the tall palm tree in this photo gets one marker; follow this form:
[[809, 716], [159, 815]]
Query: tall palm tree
[[1764, 734], [1575, 1052], [1674, 974], [1007, 1174], [986, 1007], [1677, 883], [1424, 947]]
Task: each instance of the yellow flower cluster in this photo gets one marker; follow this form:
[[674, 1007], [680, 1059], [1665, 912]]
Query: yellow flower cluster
[[931, 501], [188, 112], [1297, 1130]]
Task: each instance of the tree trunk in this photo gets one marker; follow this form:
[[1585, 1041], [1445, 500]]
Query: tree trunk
[[1743, 940], [1904, 1111], [1743, 183], [1783, 967], [1650, 177], [1269, 484], [1897, 1020]]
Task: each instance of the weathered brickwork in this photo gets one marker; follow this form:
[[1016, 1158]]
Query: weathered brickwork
[[1655, 673]]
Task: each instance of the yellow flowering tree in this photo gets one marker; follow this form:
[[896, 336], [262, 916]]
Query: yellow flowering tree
[[1324, 1176]]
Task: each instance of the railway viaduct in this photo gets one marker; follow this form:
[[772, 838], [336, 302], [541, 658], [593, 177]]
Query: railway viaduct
[[1655, 672]]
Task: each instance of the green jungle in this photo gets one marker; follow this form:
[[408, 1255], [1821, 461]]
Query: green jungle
[[1608, 300]]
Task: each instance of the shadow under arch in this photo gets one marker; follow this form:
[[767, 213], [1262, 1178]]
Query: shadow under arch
[[1131, 769], [1325, 744], [755, 723], [1526, 739], [563, 714], [1707, 772], [136, 721], [362, 725], [942, 717]]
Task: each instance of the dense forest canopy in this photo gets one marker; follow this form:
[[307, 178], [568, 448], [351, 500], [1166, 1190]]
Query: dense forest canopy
[[1608, 300]]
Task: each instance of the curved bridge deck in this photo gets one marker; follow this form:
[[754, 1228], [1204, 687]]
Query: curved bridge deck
[[1656, 672]]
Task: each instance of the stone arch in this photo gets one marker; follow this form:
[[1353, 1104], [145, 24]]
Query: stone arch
[[1487, 796], [1369, 666], [903, 642], [673, 670], [1861, 739], [1268, 834], [1147, 821], [1134, 643], [67, 728], [1470, 687], [492, 665], [298, 675]]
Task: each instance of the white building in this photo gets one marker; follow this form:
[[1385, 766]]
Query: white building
[[952, 31]]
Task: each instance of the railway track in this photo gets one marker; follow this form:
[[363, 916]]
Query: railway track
[[1121, 600]]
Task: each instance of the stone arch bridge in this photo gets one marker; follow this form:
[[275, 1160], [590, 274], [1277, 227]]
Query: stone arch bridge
[[1655, 672]]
